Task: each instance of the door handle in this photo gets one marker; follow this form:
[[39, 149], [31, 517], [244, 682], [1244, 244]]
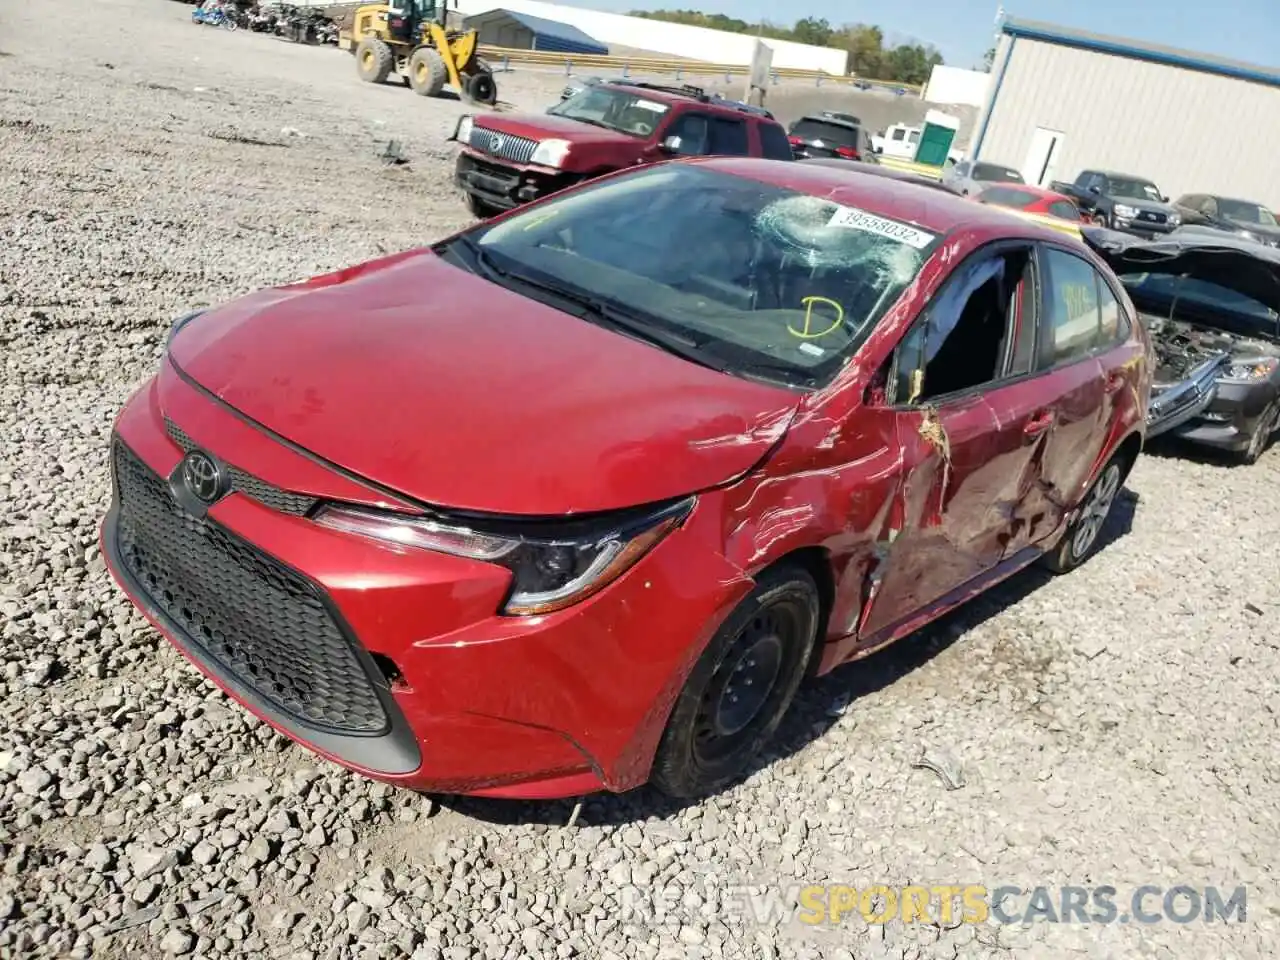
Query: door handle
[[1115, 382], [1038, 424]]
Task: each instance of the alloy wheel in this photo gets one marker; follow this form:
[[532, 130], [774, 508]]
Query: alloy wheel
[[1095, 511]]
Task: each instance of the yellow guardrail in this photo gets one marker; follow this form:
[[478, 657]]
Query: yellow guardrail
[[671, 65], [910, 166]]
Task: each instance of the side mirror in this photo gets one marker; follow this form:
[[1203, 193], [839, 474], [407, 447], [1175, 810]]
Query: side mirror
[[670, 144], [1095, 189], [878, 149], [1164, 199]]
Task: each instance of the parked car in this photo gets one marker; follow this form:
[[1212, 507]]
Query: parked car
[[830, 135], [1030, 199], [509, 159], [969, 177], [889, 173], [1244, 218], [1212, 307], [897, 140], [1118, 201], [575, 498]]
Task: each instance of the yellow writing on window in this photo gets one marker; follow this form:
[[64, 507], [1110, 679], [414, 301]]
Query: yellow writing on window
[[826, 321], [1079, 298]]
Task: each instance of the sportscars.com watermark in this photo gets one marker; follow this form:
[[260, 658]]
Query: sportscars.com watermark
[[951, 905]]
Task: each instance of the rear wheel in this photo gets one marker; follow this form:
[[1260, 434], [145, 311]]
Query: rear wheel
[[741, 686], [1261, 435], [1082, 536], [373, 60], [1099, 220], [427, 73]]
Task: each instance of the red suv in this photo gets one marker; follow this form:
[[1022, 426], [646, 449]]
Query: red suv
[[575, 498], [510, 159]]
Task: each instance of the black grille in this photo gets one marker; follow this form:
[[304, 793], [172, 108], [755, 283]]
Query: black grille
[[1151, 216], [285, 501], [504, 145], [259, 620]]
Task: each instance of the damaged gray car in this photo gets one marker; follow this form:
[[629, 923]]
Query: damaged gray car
[[1212, 307]]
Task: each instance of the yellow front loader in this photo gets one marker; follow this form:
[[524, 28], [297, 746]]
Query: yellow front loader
[[412, 38]]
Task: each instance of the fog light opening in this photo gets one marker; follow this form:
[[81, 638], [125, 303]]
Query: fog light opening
[[390, 673]]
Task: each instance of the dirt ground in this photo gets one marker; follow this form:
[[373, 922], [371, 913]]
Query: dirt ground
[[1115, 727]]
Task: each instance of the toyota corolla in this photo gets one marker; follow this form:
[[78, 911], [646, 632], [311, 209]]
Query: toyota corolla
[[576, 498]]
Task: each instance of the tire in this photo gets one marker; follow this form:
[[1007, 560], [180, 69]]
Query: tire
[[1261, 435], [713, 733], [481, 88], [427, 73], [1099, 220], [481, 209], [1081, 538], [374, 60]]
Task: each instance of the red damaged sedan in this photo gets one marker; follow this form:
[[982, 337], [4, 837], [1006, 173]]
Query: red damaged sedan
[[575, 499]]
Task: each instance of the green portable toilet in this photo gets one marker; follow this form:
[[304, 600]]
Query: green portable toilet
[[936, 136]]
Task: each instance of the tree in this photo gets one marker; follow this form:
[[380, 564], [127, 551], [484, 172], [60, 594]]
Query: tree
[[815, 32], [989, 59]]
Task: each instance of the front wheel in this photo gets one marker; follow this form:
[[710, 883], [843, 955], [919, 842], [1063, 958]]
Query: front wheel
[[741, 686], [1082, 536], [1099, 220]]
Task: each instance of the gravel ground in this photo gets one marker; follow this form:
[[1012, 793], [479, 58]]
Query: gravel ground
[[1114, 726]]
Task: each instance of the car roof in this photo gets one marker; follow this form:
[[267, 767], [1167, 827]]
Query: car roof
[[685, 93], [1123, 176], [878, 170], [940, 211]]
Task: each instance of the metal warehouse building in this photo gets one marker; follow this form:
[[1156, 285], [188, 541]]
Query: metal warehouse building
[[1064, 100], [520, 31]]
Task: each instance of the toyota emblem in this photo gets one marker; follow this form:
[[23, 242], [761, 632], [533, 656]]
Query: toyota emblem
[[496, 140], [202, 477]]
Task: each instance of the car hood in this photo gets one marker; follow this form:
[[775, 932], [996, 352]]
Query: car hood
[[544, 126], [436, 383], [1235, 263]]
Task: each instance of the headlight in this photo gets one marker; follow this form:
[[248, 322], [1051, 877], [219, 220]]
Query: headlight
[[462, 132], [1251, 369], [1123, 210], [178, 325], [550, 153], [1175, 218], [549, 571]]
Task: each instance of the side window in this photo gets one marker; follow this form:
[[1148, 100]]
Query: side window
[[1067, 211], [1209, 206], [728, 137], [898, 134], [962, 169], [693, 132], [1080, 312], [774, 144], [981, 327], [1114, 326]]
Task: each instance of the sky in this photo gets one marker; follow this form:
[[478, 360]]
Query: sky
[[963, 30]]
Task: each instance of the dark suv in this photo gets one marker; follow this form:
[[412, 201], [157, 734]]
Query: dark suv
[[830, 135], [510, 159]]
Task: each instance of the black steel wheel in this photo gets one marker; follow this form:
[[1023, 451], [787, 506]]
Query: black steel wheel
[[741, 687], [481, 88]]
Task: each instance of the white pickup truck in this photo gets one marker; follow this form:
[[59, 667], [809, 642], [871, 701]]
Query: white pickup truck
[[901, 140]]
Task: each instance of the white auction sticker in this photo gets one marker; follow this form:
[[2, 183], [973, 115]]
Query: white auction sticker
[[861, 220]]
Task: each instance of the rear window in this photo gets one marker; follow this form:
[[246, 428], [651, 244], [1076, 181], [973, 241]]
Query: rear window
[[833, 133], [765, 282], [774, 144], [1007, 197], [994, 173], [1064, 210]]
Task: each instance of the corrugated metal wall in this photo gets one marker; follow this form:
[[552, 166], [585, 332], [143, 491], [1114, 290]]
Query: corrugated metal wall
[[1189, 132]]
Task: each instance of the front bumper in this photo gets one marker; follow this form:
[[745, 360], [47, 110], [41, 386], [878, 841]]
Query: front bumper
[[397, 664], [1228, 420], [1146, 229], [502, 185]]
